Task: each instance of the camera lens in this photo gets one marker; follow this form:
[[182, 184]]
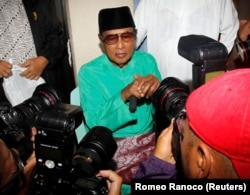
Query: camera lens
[[17, 121], [43, 97], [171, 96], [169, 101], [95, 149]]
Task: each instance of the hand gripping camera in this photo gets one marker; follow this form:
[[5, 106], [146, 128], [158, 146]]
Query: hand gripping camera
[[169, 101], [63, 165]]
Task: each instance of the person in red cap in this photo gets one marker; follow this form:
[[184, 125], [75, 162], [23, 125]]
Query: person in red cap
[[215, 134]]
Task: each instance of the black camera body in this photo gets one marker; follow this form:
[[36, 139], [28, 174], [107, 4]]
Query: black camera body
[[16, 122], [198, 48], [169, 101], [14, 133], [63, 165], [55, 144], [56, 139]]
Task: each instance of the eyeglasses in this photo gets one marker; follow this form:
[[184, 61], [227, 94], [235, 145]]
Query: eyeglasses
[[112, 39]]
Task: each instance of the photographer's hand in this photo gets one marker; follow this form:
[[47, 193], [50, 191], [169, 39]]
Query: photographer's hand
[[28, 173], [114, 181], [163, 148]]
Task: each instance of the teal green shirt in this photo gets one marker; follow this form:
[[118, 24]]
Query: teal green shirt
[[100, 85]]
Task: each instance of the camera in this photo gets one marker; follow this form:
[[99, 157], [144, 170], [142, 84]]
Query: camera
[[243, 50], [169, 102], [65, 167], [16, 122], [199, 48], [208, 56]]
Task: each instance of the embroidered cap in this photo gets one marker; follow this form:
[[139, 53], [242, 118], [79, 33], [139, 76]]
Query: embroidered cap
[[115, 18], [219, 113]]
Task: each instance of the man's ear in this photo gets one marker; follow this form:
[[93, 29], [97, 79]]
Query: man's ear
[[204, 160], [101, 43], [100, 37]]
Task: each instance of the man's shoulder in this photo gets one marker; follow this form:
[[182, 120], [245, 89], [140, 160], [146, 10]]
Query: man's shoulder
[[97, 59], [93, 65], [94, 62]]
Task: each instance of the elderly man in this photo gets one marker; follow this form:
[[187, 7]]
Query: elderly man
[[108, 82]]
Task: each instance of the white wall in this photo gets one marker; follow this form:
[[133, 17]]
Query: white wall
[[83, 28]]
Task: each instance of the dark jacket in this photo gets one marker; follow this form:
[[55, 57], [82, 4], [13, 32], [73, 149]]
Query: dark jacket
[[50, 42]]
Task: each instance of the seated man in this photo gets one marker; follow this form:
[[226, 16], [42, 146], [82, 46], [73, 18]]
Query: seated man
[[214, 135], [107, 83]]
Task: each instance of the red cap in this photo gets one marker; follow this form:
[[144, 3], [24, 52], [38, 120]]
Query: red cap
[[219, 113]]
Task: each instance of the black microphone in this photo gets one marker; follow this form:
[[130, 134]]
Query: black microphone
[[132, 103]]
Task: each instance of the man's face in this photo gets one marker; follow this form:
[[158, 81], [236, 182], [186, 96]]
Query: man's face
[[119, 50]]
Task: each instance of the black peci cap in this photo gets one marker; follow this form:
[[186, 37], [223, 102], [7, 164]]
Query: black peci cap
[[115, 18]]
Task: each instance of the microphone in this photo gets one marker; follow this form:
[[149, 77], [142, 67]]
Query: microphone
[[132, 103]]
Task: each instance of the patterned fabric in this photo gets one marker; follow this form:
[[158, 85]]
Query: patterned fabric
[[16, 41], [16, 46], [131, 152]]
